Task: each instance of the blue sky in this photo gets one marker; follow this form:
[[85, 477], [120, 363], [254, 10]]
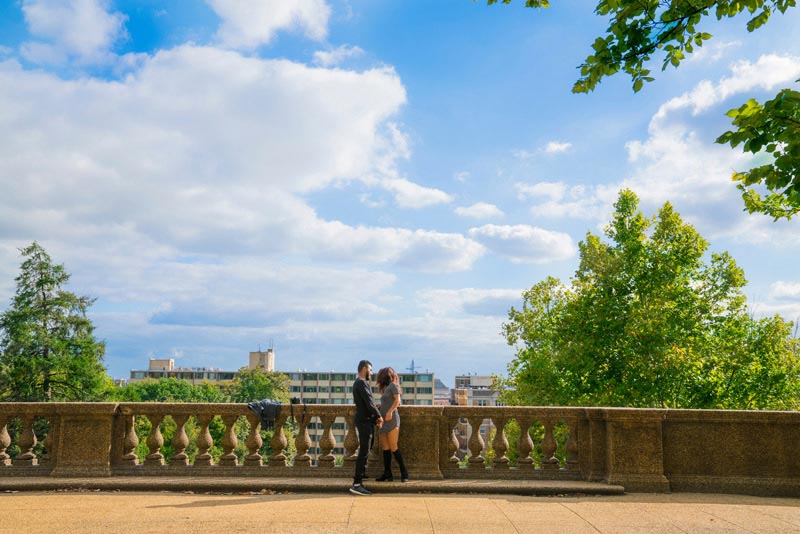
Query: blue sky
[[353, 178]]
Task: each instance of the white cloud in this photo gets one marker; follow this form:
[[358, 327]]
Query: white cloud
[[560, 200], [547, 190], [336, 56], [785, 290], [551, 147], [410, 195], [247, 24], [525, 244], [203, 151], [769, 72], [556, 147], [712, 51], [678, 164], [480, 210], [84, 29], [486, 302]]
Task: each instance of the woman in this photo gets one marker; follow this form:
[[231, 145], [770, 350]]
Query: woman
[[389, 433]]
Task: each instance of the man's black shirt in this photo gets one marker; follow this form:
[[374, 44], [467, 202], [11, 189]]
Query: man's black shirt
[[366, 411]]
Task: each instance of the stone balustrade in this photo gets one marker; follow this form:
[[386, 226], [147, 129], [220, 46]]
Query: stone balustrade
[[640, 449]]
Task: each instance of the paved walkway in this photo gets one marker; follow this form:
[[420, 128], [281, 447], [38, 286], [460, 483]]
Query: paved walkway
[[79, 511]]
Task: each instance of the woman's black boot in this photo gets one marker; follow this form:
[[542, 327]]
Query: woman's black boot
[[403, 472], [387, 467]]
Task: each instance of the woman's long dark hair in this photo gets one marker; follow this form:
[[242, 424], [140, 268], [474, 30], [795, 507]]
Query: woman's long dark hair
[[386, 376]]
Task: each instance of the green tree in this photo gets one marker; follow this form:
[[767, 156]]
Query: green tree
[[639, 29], [647, 322], [48, 351], [169, 390], [257, 384]]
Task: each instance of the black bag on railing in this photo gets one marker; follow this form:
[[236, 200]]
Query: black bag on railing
[[268, 410]]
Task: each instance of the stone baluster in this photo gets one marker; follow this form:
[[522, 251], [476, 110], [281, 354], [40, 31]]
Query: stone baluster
[[572, 446], [155, 441], [253, 441], [524, 444], [5, 441], [351, 441], [549, 446], [229, 442], [476, 444], [204, 442], [129, 456], [278, 444], [500, 444], [27, 441], [452, 444], [302, 442], [48, 442], [180, 441], [327, 443]]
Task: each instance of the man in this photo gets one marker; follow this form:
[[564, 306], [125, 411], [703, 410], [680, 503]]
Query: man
[[367, 416]]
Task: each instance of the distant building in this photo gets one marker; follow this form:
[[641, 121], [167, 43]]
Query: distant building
[[165, 368], [441, 394], [263, 360]]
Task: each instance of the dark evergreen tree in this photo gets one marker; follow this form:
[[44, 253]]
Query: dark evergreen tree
[[48, 351]]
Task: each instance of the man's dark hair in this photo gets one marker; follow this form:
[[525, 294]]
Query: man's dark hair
[[362, 364]]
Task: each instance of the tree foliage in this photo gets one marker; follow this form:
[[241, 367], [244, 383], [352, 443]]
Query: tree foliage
[[169, 390], [47, 346], [639, 29], [774, 128], [257, 384], [647, 322]]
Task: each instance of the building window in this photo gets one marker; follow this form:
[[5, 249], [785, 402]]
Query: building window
[[424, 378], [295, 389], [310, 376], [425, 390], [408, 390], [324, 376], [338, 376], [323, 389], [295, 376], [309, 389], [424, 402]]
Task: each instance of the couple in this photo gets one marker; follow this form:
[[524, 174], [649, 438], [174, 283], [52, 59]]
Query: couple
[[387, 421]]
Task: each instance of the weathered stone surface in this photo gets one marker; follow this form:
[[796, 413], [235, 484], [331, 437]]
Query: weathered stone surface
[[640, 449]]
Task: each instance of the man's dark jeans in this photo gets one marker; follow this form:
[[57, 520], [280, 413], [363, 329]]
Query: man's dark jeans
[[364, 444]]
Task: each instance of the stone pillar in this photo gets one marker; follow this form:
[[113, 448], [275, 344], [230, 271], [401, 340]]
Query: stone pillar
[[419, 428], [634, 449], [83, 440]]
